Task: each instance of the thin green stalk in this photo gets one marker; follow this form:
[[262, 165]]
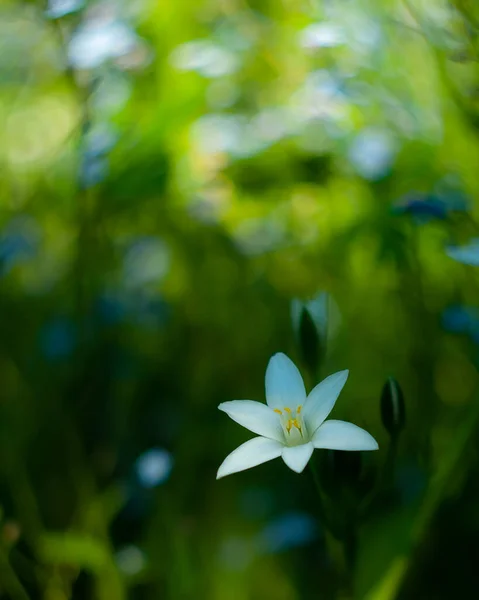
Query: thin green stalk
[[346, 538], [9, 580], [385, 476], [320, 505], [439, 484], [441, 481]]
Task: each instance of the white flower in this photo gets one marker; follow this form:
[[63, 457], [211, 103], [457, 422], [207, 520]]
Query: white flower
[[291, 424]]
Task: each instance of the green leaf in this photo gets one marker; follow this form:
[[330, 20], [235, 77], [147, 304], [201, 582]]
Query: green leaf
[[73, 549]]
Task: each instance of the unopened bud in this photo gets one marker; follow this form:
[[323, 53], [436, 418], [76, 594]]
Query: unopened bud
[[314, 323], [393, 411], [309, 341]]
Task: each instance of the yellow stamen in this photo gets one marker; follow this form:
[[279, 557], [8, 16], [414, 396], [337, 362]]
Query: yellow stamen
[[288, 410], [293, 423], [298, 410], [276, 410]]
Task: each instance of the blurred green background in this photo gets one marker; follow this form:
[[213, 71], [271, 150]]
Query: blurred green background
[[173, 175]]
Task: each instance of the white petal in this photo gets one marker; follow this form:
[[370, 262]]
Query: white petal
[[284, 384], [255, 416], [322, 398], [296, 457], [340, 435], [253, 452]]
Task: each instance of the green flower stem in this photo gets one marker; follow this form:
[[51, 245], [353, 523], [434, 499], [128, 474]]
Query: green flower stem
[[345, 537], [9, 579], [321, 504], [439, 485], [87, 220], [450, 465], [385, 476], [350, 548]]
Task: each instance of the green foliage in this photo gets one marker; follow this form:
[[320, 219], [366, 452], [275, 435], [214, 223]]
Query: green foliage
[[74, 550], [161, 206]]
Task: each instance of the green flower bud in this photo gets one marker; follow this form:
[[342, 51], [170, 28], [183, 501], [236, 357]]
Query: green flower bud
[[309, 341], [314, 324], [393, 411]]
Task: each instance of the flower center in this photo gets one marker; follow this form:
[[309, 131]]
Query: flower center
[[293, 425]]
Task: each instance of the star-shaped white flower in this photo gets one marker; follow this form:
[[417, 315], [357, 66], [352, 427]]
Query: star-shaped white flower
[[291, 424]]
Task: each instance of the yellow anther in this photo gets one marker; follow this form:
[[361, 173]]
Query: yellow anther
[[288, 410], [276, 410], [298, 426], [298, 410], [293, 423]]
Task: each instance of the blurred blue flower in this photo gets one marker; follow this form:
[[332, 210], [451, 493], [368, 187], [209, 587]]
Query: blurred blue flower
[[111, 93], [60, 8], [424, 207], [290, 530], [372, 153], [19, 241], [320, 97], [148, 310], [206, 58], [458, 319], [100, 39], [474, 333], [411, 481], [93, 171], [57, 339], [147, 260], [99, 140], [240, 135], [467, 254], [463, 320], [436, 205], [322, 35], [154, 467], [137, 307], [450, 190], [110, 308]]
